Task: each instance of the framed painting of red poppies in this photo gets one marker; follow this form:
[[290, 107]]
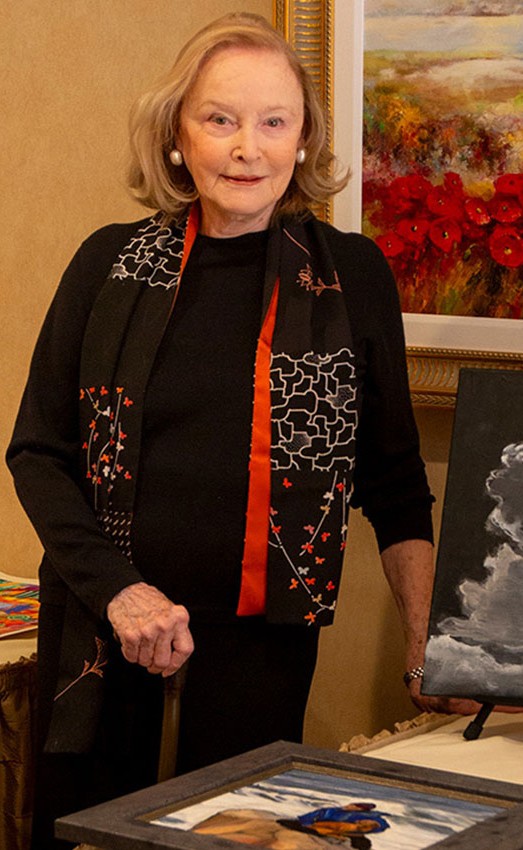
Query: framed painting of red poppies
[[428, 113]]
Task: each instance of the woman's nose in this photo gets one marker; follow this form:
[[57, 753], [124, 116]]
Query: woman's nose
[[246, 145]]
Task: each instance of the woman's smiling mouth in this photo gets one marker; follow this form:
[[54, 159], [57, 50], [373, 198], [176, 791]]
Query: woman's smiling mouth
[[242, 180]]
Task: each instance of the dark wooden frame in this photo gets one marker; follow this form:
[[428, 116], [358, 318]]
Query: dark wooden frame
[[123, 824]]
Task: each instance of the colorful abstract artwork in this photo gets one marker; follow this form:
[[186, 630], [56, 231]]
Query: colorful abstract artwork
[[18, 605], [443, 152], [302, 810], [475, 646]]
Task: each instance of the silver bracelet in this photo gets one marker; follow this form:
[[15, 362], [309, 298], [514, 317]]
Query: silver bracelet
[[415, 673]]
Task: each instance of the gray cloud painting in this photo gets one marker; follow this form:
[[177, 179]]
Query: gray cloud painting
[[475, 646]]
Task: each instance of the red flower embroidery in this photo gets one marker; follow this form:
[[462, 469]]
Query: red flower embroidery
[[310, 580], [276, 529], [319, 560], [308, 547], [330, 586], [287, 483], [310, 617], [294, 584]]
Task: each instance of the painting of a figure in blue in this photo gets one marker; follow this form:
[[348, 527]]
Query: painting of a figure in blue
[[304, 810]]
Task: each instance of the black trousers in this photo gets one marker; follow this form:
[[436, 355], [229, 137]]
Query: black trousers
[[247, 685]]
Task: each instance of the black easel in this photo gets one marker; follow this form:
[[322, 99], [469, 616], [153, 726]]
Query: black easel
[[475, 727]]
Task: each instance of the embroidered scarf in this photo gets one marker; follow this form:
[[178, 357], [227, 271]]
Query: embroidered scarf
[[304, 416]]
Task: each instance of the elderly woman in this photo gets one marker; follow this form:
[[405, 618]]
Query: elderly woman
[[210, 387]]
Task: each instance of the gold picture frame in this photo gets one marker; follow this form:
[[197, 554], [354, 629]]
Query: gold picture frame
[[309, 25]]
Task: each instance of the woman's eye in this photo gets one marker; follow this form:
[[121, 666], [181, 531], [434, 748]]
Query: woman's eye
[[220, 120], [274, 122]]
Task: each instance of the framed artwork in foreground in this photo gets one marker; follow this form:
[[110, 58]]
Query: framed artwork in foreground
[[426, 109], [301, 798]]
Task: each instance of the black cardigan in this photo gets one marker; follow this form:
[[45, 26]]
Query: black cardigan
[[202, 565]]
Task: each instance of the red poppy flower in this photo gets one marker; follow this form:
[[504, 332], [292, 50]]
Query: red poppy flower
[[505, 209], [506, 247], [390, 244], [445, 233], [473, 232], [413, 229], [443, 203], [477, 211], [453, 182], [412, 186], [509, 184]]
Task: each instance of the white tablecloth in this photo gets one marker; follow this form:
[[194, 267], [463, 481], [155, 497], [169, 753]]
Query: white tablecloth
[[496, 754]]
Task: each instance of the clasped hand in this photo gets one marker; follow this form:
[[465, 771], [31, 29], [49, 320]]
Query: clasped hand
[[152, 630]]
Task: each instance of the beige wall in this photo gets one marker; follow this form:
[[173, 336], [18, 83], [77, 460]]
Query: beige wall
[[71, 70], [358, 684]]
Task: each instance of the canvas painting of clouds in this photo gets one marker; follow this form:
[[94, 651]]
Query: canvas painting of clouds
[[475, 646]]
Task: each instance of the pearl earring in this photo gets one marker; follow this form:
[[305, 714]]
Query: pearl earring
[[176, 157], [300, 156]]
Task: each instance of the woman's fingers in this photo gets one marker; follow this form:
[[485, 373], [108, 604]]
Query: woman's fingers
[[152, 630]]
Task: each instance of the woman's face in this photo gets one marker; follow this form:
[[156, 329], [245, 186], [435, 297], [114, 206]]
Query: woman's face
[[240, 128]]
